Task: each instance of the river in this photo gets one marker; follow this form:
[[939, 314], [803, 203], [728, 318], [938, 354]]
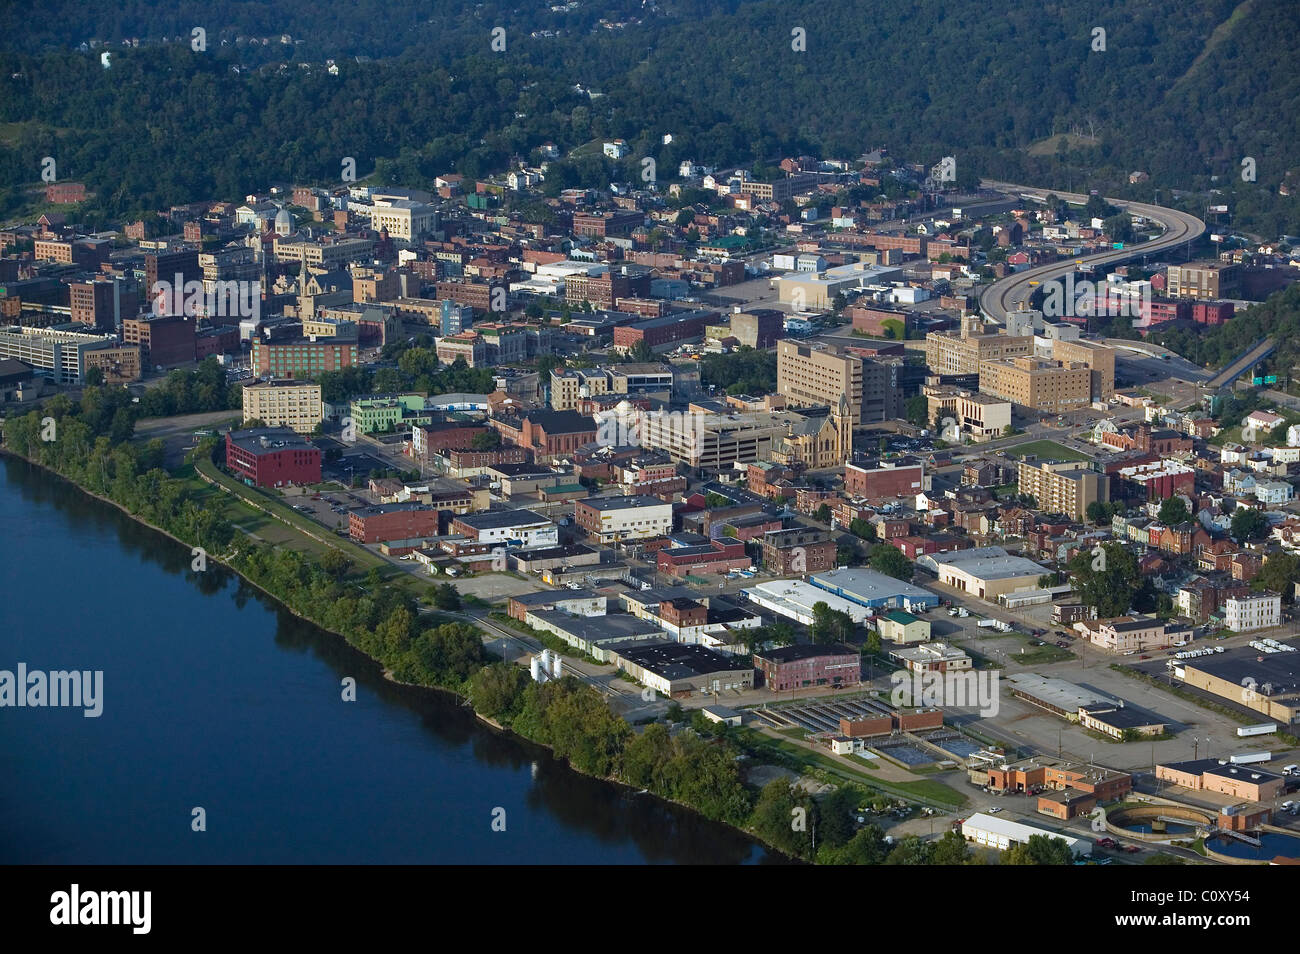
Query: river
[[215, 698]]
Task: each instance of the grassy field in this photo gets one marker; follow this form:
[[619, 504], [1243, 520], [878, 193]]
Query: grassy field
[[1045, 450], [800, 758]]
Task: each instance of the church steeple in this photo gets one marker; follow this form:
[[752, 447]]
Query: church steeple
[[844, 424]]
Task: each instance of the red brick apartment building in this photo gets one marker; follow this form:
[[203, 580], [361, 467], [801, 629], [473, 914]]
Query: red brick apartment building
[[884, 479], [165, 266], [713, 558], [804, 665], [661, 331], [461, 459], [398, 521], [65, 193], [607, 224], [478, 295], [272, 457], [798, 550], [164, 342], [102, 303]]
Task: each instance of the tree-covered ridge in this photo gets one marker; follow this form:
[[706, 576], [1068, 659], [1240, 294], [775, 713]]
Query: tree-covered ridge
[[1277, 318], [1183, 91]]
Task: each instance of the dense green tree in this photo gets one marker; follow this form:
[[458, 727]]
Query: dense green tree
[[861, 528], [951, 849], [1174, 511], [1106, 578], [496, 690], [836, 813], [784, 818], [1280, 573], [831, 626], [744, 371], [911, 850], [866, 847], [917, 410], [1039, 850], [446, 597], [1248, 524], [890, 560]]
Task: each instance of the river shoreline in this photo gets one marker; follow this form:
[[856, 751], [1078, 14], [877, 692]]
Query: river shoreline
[[384, 671]]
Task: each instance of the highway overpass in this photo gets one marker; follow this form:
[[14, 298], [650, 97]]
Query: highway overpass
[[1252, 356], [1008, 294]]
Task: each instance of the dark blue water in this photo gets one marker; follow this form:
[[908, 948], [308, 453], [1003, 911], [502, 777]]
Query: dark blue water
[[214, 697], [1273, 845]]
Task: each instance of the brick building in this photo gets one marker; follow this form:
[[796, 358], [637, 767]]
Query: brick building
[[705, 559], [885, 479], [804, 665], [272, 457], [798, 550], [396, 521], [164, 342]]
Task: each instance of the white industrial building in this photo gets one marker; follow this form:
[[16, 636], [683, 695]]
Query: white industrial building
[[1001, 833], [795, 599]]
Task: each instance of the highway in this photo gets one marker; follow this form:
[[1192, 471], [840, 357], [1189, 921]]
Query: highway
[[1253, 355], [1007, 294]]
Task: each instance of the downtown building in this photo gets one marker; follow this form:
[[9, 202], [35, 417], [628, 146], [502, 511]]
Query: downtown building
[[1047, 386], [1063, 487], [819, 375], [292, 404], [272, 457]]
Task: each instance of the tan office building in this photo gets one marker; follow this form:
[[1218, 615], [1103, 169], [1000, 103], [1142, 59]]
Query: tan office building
[[1062, 487], [818, 375], [948, 353], [284, 403], [1097, 358], [1203, 280], [1034, 383]]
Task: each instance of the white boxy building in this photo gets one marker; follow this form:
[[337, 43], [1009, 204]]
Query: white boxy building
[[1254, 611], [1001, 833]]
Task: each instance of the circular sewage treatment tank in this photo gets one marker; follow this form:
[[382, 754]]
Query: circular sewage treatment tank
[[1149, 820], [1272, 845]]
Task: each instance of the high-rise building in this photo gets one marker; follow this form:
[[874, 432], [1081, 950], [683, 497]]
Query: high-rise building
[[1034, 383], [816, 374], [1063, 487], [1099, 359], [1203, 280], [292, 404], [948, 353]]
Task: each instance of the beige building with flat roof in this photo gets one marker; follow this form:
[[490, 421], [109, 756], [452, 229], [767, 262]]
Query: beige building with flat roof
[[1062, 487], [947, 352], [814, 374], [1203, 280], [1097, 358], [980, 417], [1041, 385], [286, 403]]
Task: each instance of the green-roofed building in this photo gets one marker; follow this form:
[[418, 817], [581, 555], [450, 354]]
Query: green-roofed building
[[900, 627]]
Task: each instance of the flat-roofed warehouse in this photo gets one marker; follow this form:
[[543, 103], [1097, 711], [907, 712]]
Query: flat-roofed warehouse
[[1266, 682], [873, 589], [592, 634], [1056, 695], [1212, 775], [986, 572], [795, 599], [678, 669], [1001, 833]]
